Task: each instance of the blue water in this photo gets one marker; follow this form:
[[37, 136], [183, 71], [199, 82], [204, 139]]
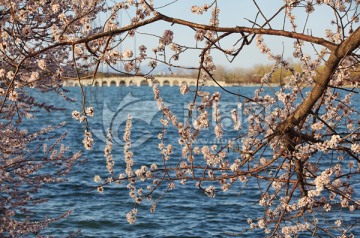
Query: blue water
[[184, 212]]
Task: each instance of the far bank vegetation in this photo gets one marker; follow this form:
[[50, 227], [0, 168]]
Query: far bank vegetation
[[238, 75], [255, 74]]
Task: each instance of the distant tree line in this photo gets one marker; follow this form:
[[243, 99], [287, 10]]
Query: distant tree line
[[257, 72]]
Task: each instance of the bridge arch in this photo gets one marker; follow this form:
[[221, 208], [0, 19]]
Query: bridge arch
[[144, 83], [122, 83], [112, 83], [104, 83], [176, 83], [192, 83], [96, 84], [166, 83]]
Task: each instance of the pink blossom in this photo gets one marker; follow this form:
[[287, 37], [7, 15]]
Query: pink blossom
[[167, 37]]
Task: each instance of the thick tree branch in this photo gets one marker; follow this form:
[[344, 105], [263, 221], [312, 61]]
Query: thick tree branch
[[239, 29], [346, 47]]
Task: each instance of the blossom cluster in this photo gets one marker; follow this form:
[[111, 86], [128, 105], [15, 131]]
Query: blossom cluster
[[127, 153], [88, 112], [107, 153], [199, 9]]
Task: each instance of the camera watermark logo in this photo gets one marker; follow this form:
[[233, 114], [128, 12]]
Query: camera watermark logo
[[226, 117], [142, 112]]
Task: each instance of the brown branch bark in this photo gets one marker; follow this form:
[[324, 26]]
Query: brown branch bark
[[239, 29], [344, 49], [97, 36]]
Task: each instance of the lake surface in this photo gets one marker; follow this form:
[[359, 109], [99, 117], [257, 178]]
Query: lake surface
[[184, 211]]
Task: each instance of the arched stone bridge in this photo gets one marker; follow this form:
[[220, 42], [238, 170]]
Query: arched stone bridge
[[138, 81]]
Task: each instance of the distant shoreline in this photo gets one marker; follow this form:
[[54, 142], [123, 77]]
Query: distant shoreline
[[162, 81]]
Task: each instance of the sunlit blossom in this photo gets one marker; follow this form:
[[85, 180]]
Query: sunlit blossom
[[210, 191], [42, 64]]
